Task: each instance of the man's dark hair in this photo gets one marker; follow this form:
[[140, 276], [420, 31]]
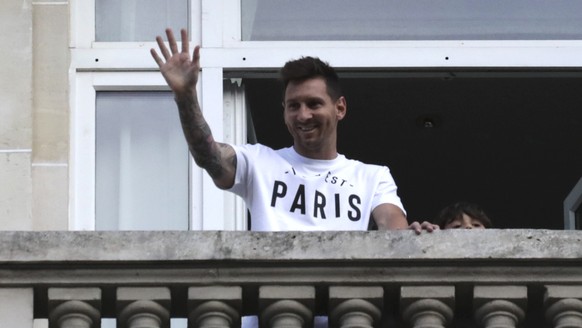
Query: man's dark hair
[[456, 211], [311, 67]]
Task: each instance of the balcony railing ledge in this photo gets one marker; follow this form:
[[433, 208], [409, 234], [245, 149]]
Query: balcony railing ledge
[[527, 276], [20, 247]]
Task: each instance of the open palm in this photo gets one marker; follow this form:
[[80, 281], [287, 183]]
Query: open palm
[[180, 71]]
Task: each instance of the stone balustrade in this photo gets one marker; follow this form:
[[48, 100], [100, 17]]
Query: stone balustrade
[[491, 278]]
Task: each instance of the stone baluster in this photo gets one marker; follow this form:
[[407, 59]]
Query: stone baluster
[[214, 307], [143, 307], [286, 306], [499, 306], [355, 307], [564, 306], [427, 306], [74, 307]]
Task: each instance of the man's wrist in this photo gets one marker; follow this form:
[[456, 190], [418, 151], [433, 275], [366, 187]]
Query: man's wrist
[[185, 96]]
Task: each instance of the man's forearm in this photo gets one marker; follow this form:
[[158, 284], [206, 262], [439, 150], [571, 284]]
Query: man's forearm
[[389, 217], [201, 143]]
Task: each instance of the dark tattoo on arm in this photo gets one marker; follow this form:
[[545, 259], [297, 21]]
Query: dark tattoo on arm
[[206, 152]]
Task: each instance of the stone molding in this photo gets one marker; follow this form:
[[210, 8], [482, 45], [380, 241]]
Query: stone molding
[[402, 245]]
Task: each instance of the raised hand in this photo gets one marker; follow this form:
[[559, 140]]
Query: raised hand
[[180, 71]]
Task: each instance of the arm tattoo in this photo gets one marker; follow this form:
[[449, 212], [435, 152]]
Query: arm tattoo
[[206, 152]]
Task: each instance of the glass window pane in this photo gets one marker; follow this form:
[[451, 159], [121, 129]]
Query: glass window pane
[[138, 20], [271, 20], [141, 163]]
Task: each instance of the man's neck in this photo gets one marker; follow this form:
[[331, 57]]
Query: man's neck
[[318, 155]]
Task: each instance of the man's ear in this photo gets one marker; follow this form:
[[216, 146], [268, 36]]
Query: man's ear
[[341, 108]]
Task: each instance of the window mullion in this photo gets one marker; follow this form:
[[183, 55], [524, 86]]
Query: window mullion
[[213, 207], [212, 23]]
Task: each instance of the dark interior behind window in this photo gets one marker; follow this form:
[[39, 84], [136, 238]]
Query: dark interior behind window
[[510, 143]]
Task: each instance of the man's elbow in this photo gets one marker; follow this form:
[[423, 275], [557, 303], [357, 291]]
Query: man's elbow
[[395, 221]]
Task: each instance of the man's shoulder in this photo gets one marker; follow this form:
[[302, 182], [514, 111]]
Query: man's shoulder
[[255, 147], [261, 151], [365, 169]]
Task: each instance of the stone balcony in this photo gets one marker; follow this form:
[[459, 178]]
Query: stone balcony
[[489, 278]]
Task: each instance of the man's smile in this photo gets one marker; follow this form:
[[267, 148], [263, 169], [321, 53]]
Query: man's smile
[[306, 128]]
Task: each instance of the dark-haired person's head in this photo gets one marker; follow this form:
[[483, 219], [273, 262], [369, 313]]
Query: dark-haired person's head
[[463, 215], [306, 68], [312, 107]]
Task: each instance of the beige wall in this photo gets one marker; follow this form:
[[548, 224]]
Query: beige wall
[[35, 115], [16, 305]]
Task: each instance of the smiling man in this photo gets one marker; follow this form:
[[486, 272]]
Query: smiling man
[[307, 186]]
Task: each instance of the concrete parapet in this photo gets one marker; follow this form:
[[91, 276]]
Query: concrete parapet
[[360, 279], [357, 246]]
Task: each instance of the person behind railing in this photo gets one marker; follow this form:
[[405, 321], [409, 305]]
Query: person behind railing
[[308, 186], [463, 215]]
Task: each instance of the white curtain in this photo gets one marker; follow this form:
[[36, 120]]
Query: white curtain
[[141, 163]]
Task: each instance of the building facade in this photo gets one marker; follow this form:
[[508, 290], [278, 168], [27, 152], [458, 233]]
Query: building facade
[[89, 137], [430, 82]]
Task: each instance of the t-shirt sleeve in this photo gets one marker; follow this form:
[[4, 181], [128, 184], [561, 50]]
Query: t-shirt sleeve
[[242, 168], [386, 192], [244, 163]]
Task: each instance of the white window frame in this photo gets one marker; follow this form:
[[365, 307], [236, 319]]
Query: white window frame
[[128, 66], [83, 136], [215, 24], [85, 88], [572, 204]]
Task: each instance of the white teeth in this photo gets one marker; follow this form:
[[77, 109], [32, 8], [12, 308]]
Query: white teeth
[[306, 128]]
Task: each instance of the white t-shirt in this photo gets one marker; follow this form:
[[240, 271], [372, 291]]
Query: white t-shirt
[[285, 191]]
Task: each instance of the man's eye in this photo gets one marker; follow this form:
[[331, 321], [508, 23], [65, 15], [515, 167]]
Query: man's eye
[[314, 104]]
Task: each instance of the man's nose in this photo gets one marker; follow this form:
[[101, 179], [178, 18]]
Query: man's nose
[[304, 113], [468, 226]]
